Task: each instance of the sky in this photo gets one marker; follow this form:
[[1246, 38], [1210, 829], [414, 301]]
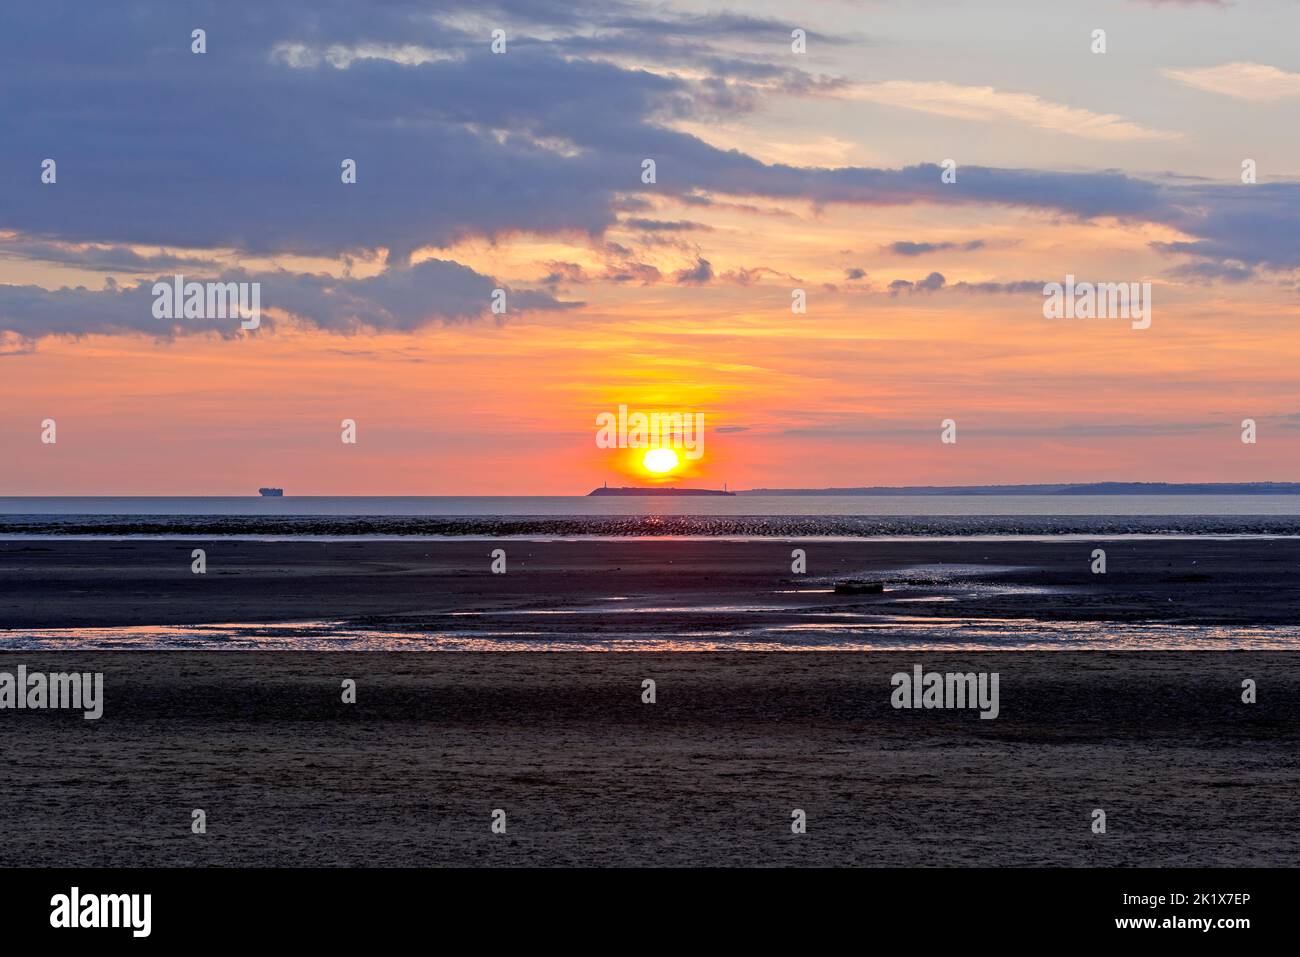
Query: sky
[[784, 163]]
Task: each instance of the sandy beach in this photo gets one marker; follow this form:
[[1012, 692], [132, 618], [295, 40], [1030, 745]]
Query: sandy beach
[[707, 775], [711, 772]]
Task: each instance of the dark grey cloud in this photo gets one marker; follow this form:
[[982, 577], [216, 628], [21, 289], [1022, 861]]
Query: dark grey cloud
[[698, 275], [905, 248], [930, 283], [1021, 286], [935, 281], [1207, 271], [240, 148], [100, 258], [1255, 225], [666, 226], [402, 298]]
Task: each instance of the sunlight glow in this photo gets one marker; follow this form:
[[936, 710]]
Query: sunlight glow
[[660, 460]]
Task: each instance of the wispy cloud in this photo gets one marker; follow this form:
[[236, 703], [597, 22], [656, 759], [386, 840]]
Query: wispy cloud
[[906, 248], [936, 281], [988, 104], [1245, 81]]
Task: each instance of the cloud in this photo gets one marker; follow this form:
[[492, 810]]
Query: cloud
[[564, 272], [1245, 81], [240, 149], [242, 145], [1206, 272], [1018, 287], [1256, 225], [643, 273], [918, 249], [930, 283], [936, 281], [666, 226], [98, 257], [747, 276], [698, 275], [402, 298], [986, 104]]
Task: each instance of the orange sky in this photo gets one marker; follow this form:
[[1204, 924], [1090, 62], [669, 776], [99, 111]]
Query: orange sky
[[778, 170], [852, 393]]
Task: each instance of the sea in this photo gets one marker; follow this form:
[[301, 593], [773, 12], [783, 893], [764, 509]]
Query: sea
[[742, 516]]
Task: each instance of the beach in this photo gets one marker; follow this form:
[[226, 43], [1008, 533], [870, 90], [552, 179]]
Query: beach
[[657, 592], [772, 695], [709, 774]]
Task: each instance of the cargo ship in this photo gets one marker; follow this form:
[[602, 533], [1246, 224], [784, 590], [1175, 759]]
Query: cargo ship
[[271, 492]]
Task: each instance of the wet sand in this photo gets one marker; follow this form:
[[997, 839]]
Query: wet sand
[[709, 774], [661, 586]]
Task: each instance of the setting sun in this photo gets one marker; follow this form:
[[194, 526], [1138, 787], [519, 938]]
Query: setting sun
[[660, 460]]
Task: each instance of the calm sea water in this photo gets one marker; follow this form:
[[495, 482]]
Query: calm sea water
[[748, 516], [767, 505]]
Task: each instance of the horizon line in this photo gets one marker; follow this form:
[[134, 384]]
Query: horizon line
[[1027, 488]]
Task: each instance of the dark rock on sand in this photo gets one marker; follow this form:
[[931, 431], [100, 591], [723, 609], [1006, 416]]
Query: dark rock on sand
[[856, 587]]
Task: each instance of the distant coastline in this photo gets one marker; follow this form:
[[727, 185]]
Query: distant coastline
[[634, 491], [1086, 488]]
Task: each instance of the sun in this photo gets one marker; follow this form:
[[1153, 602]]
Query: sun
[[660, 461]]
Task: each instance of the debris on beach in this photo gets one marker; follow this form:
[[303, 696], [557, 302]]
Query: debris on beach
[[854, 586]]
